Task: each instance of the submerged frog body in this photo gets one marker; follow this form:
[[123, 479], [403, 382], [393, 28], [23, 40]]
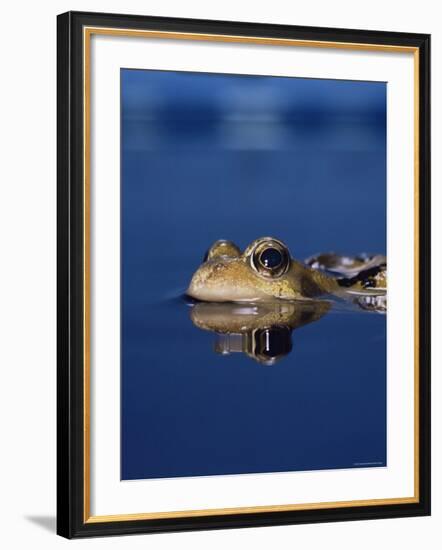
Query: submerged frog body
[[266, 271]]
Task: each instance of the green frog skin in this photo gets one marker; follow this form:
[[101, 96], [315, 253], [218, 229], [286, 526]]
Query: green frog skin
[[266, 271]]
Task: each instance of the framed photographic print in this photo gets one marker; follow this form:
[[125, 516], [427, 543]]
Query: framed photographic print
[[228, 196]]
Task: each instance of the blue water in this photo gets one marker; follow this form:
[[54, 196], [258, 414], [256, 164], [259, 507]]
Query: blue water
[[208, 156]]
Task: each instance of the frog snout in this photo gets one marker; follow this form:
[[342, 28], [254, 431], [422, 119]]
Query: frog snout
[[208, 283], [223, 280]]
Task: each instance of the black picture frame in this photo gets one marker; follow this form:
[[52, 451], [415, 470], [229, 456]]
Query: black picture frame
[[71, 520]]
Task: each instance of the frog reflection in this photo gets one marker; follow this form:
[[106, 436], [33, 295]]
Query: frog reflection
[[261, 331], [253, 300]]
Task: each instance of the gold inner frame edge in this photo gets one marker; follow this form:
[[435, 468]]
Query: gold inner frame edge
[[87, 33]]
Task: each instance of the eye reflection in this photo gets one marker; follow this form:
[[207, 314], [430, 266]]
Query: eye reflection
[[272, 344]]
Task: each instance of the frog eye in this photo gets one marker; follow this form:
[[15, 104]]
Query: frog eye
[[270, 258]]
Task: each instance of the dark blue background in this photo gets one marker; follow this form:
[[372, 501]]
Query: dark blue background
[[208, 156]]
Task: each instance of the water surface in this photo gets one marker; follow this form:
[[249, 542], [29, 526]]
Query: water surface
[[206, 157]]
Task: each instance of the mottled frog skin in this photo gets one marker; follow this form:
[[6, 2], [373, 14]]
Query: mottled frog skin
[[266, 271]]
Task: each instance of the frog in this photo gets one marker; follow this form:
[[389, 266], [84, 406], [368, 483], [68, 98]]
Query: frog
[[266, 271]]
